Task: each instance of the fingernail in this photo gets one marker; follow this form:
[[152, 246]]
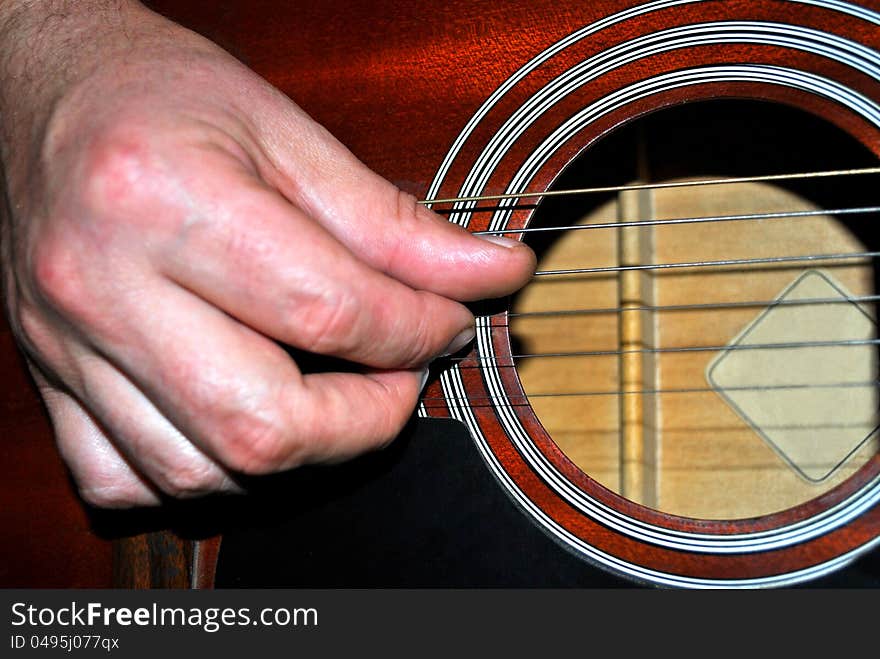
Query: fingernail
[[424, 378], [460, 341], [509, 243]]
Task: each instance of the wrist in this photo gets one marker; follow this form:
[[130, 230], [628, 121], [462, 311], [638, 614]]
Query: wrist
[[46, 46], [43, 38], [59, 59]]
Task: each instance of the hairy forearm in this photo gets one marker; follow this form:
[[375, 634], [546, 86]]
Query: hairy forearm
[[45, 47], [58, 57], [34, 33], [46, 41]]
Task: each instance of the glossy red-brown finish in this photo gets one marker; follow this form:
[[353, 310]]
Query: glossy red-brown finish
[[537, 490], [396, 82]]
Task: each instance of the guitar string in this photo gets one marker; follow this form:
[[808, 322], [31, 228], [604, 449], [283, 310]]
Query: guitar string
[[654, 186], [660, 391], [694, 264], [710, 264], [692, 220], [706, 264], [706, 219], [836, 343], [732, 304]]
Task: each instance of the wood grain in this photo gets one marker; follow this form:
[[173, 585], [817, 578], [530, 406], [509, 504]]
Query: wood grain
[[396, 82]]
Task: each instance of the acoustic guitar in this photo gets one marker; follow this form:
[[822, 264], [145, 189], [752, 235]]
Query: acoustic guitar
[[686, 393]]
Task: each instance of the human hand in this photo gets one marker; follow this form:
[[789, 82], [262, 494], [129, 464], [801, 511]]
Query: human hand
[[169, 217]]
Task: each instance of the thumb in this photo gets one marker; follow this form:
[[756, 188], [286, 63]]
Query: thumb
[[388, 229]]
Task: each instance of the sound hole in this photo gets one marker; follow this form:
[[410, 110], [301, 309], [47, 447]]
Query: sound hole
[[739, 386]]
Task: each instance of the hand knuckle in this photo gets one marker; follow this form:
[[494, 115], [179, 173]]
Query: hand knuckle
[[254, 443], [109, 495], [420, 338], [114, 172], [57, 276], [185, 481], [407, 210], [29, 327], [325, 324], [413, 337], [405, 213], [390, 413]]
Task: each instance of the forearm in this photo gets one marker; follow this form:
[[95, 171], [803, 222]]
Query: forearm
[[56, 49], [43, 40], [45, 45]]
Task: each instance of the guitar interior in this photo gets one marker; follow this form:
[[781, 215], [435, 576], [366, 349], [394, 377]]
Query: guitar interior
[[739, 385]]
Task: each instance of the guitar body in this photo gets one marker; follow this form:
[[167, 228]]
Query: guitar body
[[705, 423]]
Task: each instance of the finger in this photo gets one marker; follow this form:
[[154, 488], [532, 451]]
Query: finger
[[147, 440], [104, 478], [345, 414], [387, 228], [237, 395], [111, 406], [279, 272]]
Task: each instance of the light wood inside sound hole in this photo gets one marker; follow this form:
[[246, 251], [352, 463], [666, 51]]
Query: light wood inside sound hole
[[667, 429], [686, 453]]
